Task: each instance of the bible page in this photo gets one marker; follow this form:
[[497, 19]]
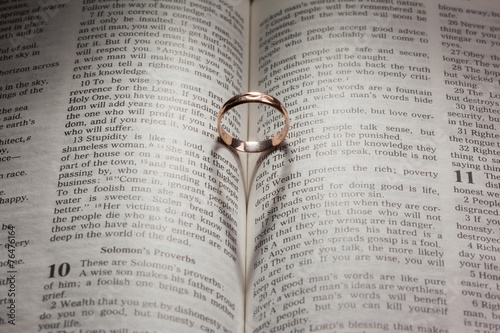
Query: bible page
[[380, 211], [120, 211]]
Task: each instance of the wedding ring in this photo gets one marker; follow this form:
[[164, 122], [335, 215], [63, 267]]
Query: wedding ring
[[252, 146]]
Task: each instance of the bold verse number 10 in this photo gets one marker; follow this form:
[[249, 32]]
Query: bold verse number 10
[[62, 270]]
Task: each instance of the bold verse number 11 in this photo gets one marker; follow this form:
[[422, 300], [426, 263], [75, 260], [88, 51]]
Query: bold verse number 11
[[459, 176]]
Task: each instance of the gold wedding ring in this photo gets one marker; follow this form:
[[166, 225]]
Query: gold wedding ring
[[253, 146]]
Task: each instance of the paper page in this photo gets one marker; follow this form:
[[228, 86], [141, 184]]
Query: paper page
[[120, 211], [379, 213]]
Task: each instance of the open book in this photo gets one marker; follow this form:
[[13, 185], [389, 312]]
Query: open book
[[121, 211]]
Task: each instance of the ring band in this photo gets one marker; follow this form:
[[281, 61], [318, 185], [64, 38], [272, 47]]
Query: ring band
[[252, 146]]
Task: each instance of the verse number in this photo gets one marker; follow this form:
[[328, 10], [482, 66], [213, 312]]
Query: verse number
[[62, 270], [458, 173]]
